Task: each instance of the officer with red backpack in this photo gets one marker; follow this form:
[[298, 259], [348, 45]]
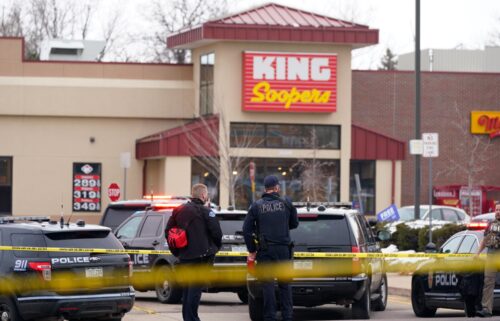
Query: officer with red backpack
[[195, 223]]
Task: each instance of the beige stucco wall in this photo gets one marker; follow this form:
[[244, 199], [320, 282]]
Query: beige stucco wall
[[178, 175], [50, 110], [227, 100], [45, 148], [383, 184]]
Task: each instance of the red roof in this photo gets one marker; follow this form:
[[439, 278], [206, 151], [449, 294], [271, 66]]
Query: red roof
[[197, 138], [370, 145], [274, 22]]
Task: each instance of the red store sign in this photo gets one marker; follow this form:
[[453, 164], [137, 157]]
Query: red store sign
[[289, 82]]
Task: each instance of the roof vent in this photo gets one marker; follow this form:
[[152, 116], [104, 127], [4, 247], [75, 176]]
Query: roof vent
[[71, 50], [80, 223]]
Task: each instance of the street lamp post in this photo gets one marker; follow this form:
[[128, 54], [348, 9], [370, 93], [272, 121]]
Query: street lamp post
[[417, 106]]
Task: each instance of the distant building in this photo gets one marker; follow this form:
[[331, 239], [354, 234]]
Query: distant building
[[461, 60], [71, 50]]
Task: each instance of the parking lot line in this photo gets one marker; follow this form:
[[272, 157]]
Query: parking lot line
[[148, 311]]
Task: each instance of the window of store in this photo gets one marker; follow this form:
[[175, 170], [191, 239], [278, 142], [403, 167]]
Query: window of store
[[207, 62], [285, 136], [205, 170], [366, 172], [299, 179], [5, 185]]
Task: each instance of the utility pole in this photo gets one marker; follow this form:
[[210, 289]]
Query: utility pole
[[417, 106]]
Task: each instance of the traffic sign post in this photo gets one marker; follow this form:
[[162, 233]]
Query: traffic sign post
[[114, 192], [430, 150]]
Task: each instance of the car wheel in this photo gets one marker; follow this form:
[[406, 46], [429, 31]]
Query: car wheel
[[243, 295], [165, 292], [361, 307], [255, 308], [381, 302], [418, 301], [8, 311]]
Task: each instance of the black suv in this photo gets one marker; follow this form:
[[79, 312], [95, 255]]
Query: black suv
[[117, 212], [38, 285], [331, 229], [146, 230]]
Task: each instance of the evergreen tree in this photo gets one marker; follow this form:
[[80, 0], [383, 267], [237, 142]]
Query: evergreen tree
[[389, 61]]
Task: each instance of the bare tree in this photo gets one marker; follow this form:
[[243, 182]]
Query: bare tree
[[230, 164], [316, 174], [172, 16], [39, 20], [11, 20], [477, 152]]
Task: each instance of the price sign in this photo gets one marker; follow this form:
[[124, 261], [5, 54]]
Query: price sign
[[86, 187]]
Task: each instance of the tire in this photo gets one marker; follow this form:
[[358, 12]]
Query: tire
[[380, 303], [165, 292], [361, 307], [255, 309], [418, 301], [243, 295], [8, 310]]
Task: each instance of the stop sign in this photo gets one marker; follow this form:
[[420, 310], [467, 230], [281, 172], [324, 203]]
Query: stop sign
[[114, 192]]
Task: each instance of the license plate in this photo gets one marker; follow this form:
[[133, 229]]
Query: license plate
[[94, 272], [302, 265], [238, 248]]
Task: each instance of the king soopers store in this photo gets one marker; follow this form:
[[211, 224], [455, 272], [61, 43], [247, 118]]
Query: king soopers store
[[269, 92]]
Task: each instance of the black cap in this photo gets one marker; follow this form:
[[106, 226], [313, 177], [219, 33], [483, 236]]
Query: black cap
[[270, 181]]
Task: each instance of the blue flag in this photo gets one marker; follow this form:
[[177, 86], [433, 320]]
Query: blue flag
[[389, 214]]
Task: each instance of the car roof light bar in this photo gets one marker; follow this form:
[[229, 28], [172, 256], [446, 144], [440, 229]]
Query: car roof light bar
[[12, 219]]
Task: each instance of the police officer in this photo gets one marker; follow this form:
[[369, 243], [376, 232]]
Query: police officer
[[270, 219], [204, 241], [491, 241]]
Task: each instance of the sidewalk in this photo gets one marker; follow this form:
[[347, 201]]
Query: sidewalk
[[399, 284]]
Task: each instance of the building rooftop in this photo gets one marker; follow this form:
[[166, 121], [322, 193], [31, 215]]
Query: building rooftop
[[278, 23]]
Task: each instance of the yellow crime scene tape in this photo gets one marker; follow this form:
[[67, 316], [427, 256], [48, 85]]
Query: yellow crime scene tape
[[240, 254], [306, 265]]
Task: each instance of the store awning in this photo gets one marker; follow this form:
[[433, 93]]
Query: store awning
[[196, 138], [370, 145]]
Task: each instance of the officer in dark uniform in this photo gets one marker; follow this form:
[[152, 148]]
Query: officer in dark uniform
[[491, 241], [270, 219], [204, 241]]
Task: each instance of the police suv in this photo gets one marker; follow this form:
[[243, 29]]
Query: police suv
[[51, 285], [146, 230], [435, 283], [359, 283]]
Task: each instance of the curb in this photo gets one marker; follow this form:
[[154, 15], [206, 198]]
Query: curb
[[399, 292]]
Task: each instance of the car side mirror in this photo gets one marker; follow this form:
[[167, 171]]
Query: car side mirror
[[431, 248], [372, 221], [383, 235]]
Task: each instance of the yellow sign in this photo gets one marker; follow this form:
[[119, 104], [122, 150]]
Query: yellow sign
[[485, 122]]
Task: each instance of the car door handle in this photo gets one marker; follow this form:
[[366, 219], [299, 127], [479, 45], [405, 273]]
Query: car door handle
[[155, 242]]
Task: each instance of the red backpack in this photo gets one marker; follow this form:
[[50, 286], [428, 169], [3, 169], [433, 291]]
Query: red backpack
[[177, 238]]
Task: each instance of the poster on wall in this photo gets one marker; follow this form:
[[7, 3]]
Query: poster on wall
[[86, 187], [289, 82]]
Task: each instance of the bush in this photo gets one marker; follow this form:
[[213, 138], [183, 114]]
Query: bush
[[407, 238], [439, 236]]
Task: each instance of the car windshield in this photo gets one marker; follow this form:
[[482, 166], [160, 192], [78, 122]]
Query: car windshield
[[408, 213], [115, 216], [322, 230], [88, 239]]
